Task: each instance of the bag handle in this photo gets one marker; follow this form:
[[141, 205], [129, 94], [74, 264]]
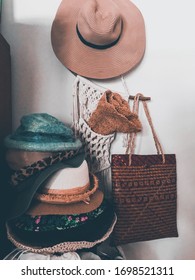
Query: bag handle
[[132, 136]]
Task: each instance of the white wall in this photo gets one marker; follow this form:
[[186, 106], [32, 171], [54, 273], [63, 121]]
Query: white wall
[[167, 74]]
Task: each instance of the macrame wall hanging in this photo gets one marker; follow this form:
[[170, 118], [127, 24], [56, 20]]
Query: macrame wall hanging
[[86, 96], [88, 99]]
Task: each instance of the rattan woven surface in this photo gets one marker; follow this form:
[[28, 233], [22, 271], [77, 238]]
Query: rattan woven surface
[[144, 195]]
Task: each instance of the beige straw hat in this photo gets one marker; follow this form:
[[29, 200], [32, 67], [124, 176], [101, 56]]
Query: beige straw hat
[[63, 197], [43, 208], [98, 39]]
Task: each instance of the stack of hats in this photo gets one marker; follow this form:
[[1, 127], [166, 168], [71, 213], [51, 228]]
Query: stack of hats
[[57, 205]]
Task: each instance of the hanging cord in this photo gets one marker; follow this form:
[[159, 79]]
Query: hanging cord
[[131, 143], [17, 252], [155, 137], [127, 92], [132, 136], [75, 107], [142, 98], [22, 253], [128, 138]]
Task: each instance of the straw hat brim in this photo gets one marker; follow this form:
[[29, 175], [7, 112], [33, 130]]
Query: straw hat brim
[[94, 63], [42, 208], [70, 198]]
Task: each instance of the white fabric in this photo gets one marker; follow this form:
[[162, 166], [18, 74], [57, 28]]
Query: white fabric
[[89, 256], [66, 256], [18, 254], [86, 97], [69, 178]]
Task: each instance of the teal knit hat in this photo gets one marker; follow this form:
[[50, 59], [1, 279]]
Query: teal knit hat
[[42, 132]]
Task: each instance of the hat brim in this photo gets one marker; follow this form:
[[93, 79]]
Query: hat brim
[[41, 147], [93, 63], [22, 174], [61, 247], [17, 159], [25, 191], [42, 208], [70, 198]]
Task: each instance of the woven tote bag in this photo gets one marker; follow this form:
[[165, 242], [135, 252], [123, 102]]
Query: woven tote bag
[[144, 192]]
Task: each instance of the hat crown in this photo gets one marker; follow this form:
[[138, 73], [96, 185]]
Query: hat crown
[[43, 123], [69, 178], [42, 132], [100, 22]]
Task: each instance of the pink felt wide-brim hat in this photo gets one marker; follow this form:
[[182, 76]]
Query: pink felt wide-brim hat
[[98, 39]]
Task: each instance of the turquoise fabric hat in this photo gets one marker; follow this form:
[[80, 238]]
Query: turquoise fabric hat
[[42, 132]]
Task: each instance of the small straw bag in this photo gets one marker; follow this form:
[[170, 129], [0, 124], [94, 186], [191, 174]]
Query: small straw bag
[[144, 191]]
